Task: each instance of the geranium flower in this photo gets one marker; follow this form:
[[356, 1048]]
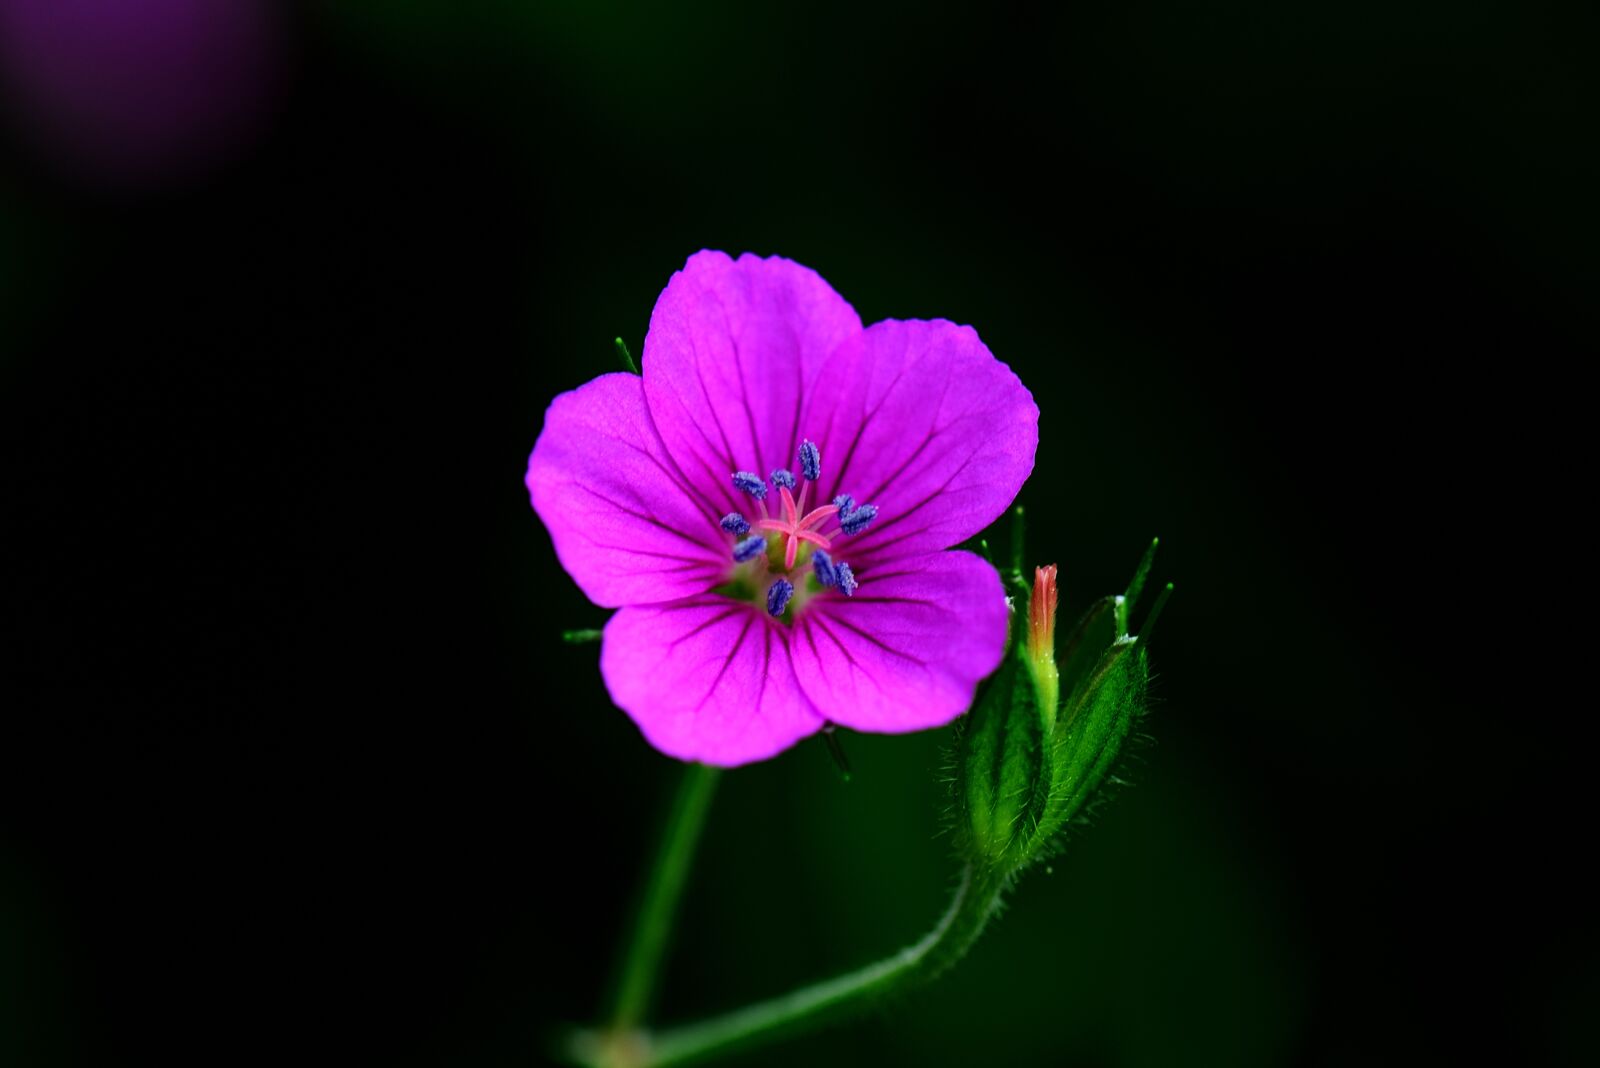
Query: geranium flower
[[770, 506]]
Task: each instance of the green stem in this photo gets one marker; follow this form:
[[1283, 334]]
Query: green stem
[[641, 961], [975, 900]]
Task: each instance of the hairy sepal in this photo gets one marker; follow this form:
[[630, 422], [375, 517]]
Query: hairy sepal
[[1023, 773]]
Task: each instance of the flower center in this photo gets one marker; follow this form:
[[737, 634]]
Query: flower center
[[770, 551]]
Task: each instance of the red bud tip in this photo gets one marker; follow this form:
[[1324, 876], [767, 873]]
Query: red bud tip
[[1042, 614]]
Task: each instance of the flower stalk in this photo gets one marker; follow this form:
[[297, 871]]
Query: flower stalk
[[975, 900], [647, 944], [1030, 755]]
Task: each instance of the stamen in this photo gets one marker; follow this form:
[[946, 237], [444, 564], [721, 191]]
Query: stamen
[[790, 527], [855, 520], [813, 519], [778, 596], [789, 519], [810, 460], [847, 579], [750, 483], [822, 566]]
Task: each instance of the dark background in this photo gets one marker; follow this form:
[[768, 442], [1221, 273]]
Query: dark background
[[294, 762]]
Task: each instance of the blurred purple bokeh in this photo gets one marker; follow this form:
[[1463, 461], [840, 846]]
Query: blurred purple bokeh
[[139, 93]]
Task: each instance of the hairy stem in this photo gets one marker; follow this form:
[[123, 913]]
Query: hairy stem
[[647, 943], [975, 900]]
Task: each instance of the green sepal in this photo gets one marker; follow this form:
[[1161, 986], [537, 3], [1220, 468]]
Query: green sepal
[[1091, 736], [1021, 774], [999, 756], [1095, 633]]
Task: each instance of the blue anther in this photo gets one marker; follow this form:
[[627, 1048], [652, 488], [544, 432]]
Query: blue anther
[[844, 502], [810, 460], [847, 579], [822, 567], [751, 483], [784, 477], [778, 596], [734, 523], [856, 519], [749, 548]]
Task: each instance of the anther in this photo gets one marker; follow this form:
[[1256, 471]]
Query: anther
[[734, 523], [823, 567], [855, 520], [750, 483], [778, 596], [847, 579], [810, 460], [784, 477], [750, 548], [844, 502]]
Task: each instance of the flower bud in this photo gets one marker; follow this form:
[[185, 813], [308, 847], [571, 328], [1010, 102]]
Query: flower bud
[[1042, 642], [1047, 728]]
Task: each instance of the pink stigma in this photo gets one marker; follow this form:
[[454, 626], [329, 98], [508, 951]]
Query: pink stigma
[[796, 530]]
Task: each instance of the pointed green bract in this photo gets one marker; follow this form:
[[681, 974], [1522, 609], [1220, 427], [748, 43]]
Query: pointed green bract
[[836, 750], [626, 357], [1130, 597], [1019, 530], [1155, 613]]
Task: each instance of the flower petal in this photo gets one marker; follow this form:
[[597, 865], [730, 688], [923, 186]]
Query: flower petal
[[623, 523], [707, 679], [921, 420], [732, 350], [908, 650]]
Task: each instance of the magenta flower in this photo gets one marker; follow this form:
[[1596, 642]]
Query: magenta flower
[[770, 507]]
